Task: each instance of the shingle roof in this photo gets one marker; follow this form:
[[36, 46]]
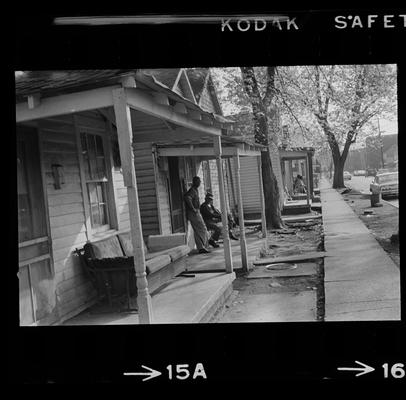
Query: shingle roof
[[56, 81], [167, 76]]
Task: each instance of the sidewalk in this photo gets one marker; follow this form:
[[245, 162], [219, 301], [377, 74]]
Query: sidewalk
[[362, 283]]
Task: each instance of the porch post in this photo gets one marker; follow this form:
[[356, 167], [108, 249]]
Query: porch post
[[243, 241], [125, 136], [223, 205], [290, 176], [310, 157], [308, 180], [261, 197]]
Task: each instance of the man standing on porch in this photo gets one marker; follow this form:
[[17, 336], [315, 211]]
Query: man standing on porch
[[193, 215]]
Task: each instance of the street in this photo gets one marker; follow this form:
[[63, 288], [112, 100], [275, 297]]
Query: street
[[362, 183]]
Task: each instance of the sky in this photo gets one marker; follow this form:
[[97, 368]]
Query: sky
[[388, 127]]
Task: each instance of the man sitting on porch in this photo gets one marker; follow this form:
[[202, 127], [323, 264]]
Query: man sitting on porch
[[193, 215], [212, 219]]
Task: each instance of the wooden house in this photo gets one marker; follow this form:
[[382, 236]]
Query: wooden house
[[105, 151]]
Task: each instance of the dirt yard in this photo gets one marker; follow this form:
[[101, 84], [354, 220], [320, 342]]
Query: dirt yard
[[383, 222], [281, 298]]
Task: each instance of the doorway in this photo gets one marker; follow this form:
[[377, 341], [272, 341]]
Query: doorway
[[175, 196], [34, 273]]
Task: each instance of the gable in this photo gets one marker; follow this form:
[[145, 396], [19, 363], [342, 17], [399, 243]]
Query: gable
[[182, 86], [208, 102]]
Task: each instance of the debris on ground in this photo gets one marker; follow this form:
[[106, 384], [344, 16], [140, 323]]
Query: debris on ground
[[283, 231], [301, 236], [381, 223]]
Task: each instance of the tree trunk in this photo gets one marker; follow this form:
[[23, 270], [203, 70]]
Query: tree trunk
[[260, 110], [271, 193], [338, 180]]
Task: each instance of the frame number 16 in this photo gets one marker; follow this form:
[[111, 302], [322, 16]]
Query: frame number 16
[[395, 371]]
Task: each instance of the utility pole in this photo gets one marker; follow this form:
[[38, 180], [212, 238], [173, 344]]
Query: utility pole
[[381, 144]]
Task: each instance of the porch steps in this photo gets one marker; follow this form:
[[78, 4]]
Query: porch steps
[[192, 299]]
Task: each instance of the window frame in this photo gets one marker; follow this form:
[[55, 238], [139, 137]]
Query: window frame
[[106, 180]]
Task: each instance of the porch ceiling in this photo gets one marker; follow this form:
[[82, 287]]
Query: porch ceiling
[[147, 128], [204, 148]]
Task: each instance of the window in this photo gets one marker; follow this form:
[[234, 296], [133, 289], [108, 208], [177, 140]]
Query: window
[[96, 179]]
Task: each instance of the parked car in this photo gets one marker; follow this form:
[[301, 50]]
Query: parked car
[[359, 172], [347, 176], [387, 183], [370, 172]]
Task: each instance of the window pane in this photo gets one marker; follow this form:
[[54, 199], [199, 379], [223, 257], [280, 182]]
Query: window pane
[[94, 209], [96, 190], [100, 196], [92, 193], [85, 155], [92, 156], [101, 168], [103, 214], [99, 146], [25, 226]]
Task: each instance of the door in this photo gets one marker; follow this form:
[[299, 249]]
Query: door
[[175, 196], [35, 275]]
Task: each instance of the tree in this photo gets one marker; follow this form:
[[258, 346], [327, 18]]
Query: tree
[[338, 101], [251, 90], [261, 108]]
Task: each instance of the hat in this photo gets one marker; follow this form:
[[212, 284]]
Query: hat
[[209, 195]]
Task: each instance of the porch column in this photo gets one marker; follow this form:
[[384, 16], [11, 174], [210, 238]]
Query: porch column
[[310, 157], [223, 205], [261, 197], [308, 180], [125, 136], [243, 241], [290, 172]]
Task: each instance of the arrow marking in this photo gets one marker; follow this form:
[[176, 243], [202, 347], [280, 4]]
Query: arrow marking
[[366, 369], [151, 374]]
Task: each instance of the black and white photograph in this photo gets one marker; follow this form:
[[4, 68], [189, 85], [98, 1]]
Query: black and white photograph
[[252, 194], [221, 192]]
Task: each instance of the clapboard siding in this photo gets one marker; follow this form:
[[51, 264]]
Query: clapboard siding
[[66, 212], [250, 188], [250, 180], [144, 168]]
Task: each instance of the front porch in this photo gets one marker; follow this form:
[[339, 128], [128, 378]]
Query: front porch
[[192, 297]]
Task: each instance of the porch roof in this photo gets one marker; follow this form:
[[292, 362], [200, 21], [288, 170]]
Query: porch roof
[[231, 146], [295, 152], [90, 83]]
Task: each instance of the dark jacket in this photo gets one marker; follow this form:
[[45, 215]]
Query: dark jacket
[[210, 213]]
